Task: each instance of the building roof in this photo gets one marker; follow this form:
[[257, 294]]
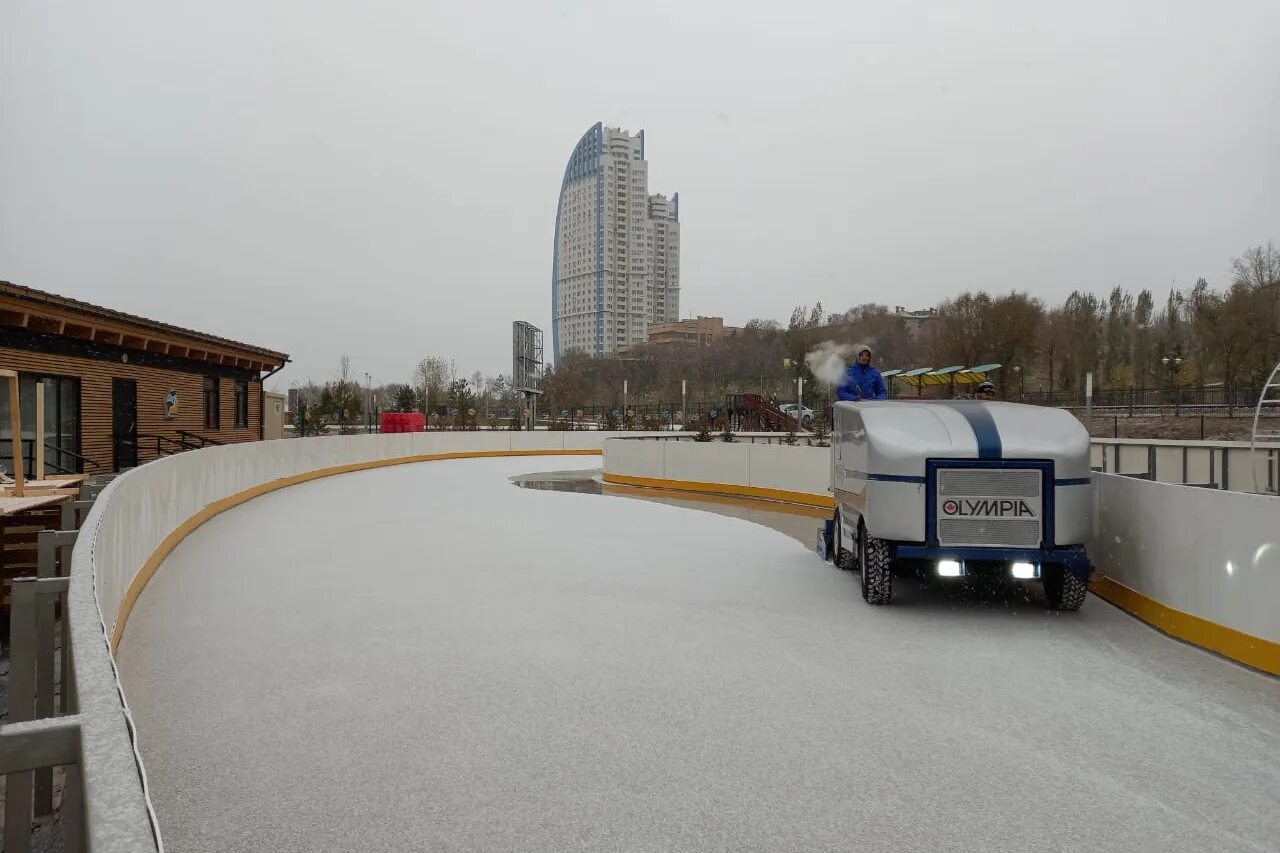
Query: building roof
[[49, 312]]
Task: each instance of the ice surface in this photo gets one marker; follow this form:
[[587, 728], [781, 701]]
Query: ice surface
[[428, 658]]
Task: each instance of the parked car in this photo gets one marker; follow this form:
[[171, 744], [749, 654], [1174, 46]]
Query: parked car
[[802, 414]]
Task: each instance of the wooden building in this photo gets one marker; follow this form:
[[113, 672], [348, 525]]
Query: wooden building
[[121, 390]]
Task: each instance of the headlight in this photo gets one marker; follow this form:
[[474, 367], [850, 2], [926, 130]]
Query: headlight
[[1025, 571]]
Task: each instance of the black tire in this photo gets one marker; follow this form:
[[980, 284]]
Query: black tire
[[875, 564], [844, 559], [806, 422], [1064, 590]]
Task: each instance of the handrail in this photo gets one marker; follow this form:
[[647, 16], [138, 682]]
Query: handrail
[[161, 449], [204, 440], [29, 457], [83, 459]]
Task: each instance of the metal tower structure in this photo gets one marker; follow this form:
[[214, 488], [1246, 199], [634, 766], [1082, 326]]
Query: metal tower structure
[[526, 365]]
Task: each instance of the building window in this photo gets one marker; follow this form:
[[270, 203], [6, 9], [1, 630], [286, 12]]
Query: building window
[[61, 424], [242, 404], [212, 402]]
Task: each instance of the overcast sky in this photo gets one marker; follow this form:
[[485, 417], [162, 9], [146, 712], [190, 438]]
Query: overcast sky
[[380, 179]]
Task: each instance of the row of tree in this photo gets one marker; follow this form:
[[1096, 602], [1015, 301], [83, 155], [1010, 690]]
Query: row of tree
[[1126, 340], [450, 399]]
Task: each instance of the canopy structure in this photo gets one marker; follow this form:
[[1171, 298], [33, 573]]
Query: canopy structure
[[974, 375], [925, 377]]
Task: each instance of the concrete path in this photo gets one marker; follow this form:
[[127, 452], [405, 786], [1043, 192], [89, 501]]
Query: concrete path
[[428, 658]]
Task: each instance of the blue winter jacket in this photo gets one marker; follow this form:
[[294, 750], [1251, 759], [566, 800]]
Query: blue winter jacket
[[862, 382]]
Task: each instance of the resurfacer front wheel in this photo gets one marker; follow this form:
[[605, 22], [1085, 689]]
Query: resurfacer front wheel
[[1064, 590], [875, 564]]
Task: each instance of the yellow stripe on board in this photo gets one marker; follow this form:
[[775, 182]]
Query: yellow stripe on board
[[1244, 648], [183, 530], [1228, 642], [804, 511], [1252, 651], [732, 490]]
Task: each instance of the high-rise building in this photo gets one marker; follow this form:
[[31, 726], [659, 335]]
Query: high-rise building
[[616, 263]]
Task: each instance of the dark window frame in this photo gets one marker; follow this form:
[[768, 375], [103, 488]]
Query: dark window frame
[[70, 462], [212, 394], [242, 403]]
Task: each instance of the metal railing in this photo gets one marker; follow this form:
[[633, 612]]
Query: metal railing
[[65, 708], [164, 445], [53, 458], [801, 439], [1166, 397], [194, 440], [1225, 465], [1162, 400]]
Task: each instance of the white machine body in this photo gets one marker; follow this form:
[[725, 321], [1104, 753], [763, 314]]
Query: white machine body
[[962, 474]]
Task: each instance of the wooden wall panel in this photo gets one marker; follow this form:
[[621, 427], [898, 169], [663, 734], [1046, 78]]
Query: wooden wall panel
[[153, 384]]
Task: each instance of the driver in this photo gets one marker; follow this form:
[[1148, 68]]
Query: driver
[[986, 391], [861, 380]]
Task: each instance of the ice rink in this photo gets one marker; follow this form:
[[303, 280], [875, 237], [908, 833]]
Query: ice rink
[[426, 657]]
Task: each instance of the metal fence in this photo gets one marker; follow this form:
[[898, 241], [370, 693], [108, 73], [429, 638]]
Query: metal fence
[[1226, 465], [740, 438], [1216, 396], [1168, 400], [65, 710]]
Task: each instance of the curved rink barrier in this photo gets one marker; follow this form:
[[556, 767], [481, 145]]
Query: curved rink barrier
[[145, 513], [1202, 565]]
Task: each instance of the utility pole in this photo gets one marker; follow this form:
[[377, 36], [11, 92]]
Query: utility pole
[[368, 404]]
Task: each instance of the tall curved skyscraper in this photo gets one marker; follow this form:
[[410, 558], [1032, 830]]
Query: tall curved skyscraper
[[616, 263]]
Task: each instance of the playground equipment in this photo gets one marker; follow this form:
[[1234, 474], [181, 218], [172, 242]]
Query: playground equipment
[[753, 413]]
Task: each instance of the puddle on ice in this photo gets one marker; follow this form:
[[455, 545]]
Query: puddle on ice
[[799, 523]]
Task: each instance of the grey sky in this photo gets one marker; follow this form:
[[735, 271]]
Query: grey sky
[[380, 178]]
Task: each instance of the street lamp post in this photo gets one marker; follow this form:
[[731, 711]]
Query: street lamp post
[[684, 402], [1022, 381], [1174, 364]]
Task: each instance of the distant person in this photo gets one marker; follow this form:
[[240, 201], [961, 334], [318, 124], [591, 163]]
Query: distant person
[[986, 391], [861, 380]]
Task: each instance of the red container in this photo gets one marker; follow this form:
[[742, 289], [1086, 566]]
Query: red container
[[401, 422]]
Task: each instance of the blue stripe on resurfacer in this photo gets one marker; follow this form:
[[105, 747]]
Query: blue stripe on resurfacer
[[983, 425]]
